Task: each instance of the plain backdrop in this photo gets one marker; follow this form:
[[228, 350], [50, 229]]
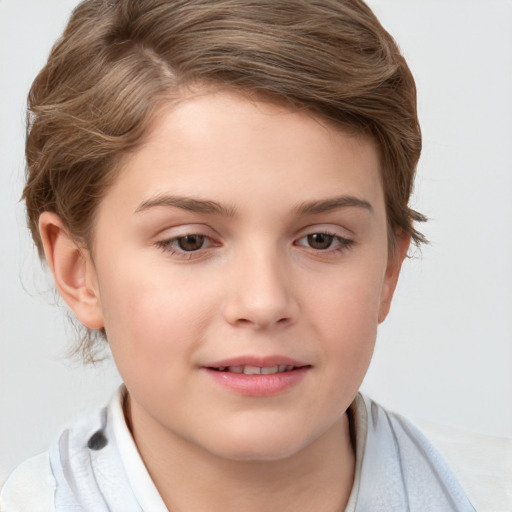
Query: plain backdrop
[[445, 352]]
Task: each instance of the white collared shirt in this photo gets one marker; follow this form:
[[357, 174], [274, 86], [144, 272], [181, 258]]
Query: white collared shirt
[[95, 466]]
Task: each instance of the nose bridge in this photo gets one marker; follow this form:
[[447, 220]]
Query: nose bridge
[[261, 294]]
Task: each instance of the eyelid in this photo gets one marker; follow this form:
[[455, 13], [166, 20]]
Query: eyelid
[[341, 239], [326, 228], [344, 242], [179, 229], [168, 238]]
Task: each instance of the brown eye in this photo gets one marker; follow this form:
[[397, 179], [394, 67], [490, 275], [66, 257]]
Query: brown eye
[[320, 240], [190, 242]]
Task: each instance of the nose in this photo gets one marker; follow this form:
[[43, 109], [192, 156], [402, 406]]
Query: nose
[[261, 293]]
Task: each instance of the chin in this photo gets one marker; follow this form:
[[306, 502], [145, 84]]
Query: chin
[[260, 446], [260, 454]]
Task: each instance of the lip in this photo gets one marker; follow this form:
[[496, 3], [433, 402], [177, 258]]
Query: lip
[[259, 385], [251, 360]]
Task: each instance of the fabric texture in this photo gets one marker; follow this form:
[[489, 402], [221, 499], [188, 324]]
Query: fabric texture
[[94, 466], [482, 463]]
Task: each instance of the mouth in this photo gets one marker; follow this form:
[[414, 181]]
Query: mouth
[[258, 377], [256, 370]]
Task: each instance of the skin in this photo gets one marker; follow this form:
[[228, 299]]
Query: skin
[[258, 283]]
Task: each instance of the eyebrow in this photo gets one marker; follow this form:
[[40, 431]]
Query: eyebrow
[[334, 203], [186, 203], [212, 207]]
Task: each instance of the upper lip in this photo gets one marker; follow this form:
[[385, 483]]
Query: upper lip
[[258, 361]]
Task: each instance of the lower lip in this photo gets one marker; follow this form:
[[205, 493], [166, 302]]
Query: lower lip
[[258, 385]]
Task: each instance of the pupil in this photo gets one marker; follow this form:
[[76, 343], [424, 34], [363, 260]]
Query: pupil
[[191, 242], [320, 240]]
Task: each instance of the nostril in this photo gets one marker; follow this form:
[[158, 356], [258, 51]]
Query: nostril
[[260, 308], [262, 322]]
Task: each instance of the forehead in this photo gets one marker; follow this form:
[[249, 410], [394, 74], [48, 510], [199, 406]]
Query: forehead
[[224, 143]]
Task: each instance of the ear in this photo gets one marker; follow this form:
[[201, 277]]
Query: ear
[[395, 261], [73, 270]]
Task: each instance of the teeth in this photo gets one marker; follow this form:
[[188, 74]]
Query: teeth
[[252, 370], [270, 370], [256, 370]]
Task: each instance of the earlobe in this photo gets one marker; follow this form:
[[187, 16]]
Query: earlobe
[[395, 261], [72, 269]]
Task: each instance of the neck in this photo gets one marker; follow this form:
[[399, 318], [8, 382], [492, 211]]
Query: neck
[[319, 477]]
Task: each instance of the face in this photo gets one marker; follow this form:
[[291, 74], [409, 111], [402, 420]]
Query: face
[[240, 265]]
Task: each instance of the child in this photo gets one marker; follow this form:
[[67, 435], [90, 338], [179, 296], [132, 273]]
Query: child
[[220, 190]]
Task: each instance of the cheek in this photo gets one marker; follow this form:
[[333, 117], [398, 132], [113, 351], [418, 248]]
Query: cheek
[[350, 301], [346, 316], [153, 316]]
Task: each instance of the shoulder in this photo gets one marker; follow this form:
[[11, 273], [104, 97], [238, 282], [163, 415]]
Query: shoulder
[[82, 470], [482, 463], [400, 466], [30, 487]]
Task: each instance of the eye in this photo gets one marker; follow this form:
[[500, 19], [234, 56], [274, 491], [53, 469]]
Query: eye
[[190, 242], [320, 241], [324, 242], [185, 245]]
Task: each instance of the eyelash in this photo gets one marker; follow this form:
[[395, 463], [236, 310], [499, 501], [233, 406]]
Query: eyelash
[[342, 243], [171, 245]]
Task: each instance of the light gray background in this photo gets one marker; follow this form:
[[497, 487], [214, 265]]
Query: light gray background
[[445, 352]]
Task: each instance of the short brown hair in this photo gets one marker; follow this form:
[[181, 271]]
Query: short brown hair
[[119, 60]]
